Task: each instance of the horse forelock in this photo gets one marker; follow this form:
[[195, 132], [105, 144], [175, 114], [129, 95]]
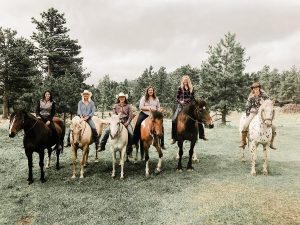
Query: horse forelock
[[157, 115]]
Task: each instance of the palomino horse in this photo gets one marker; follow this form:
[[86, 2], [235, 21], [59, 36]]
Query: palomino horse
[[187, 127], [38, 136], [151, 134], [118, 142], [260, 132], [81, 137]]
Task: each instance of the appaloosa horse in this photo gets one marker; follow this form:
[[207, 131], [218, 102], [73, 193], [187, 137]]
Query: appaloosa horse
[[37, 137], [187, 127], [81, 137], [260, 132]]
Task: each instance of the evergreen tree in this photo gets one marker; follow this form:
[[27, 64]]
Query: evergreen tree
[[223, 82]]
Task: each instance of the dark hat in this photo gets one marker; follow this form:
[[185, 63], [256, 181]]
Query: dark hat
[[255, 84]]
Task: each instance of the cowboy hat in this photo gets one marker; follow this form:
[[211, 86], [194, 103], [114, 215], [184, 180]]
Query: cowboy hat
[[86, 92], [121, 94], [254, 85]]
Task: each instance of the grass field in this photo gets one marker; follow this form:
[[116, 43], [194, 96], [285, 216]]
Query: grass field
[[219, 191]]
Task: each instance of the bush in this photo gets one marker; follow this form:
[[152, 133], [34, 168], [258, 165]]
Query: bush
[[291, 108]]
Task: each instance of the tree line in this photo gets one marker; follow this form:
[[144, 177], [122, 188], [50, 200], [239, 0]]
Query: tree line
[[50, 60]]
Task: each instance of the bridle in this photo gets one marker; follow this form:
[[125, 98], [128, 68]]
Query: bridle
[[118, 130], [23, 122]]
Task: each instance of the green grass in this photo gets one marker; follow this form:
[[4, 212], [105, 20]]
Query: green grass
[[219, 191]]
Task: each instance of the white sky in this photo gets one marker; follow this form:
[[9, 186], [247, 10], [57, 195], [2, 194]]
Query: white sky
[[123, 37]]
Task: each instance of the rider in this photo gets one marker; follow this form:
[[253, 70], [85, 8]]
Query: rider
[[185, 95], [148, 102], [86, 110], [123, 109], [46, 110], [253, 103]]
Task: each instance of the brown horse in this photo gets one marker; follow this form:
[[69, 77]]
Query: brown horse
[[37, 138], [151, 134], [187, 127]]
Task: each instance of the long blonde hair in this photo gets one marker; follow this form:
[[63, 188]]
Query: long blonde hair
[[189, 83]]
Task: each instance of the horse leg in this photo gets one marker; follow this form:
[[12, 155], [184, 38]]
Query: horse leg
[[49, 157], [57, 158], [74, 159], [243, 154], [29, 159], [253, 157], [85, 152], [160, 155], [41, 164], [113, 174], [194, 157], [191, 152], [146, 151], [122, 159], [180, 146], [86, 163], [265, 166], [96, 156]]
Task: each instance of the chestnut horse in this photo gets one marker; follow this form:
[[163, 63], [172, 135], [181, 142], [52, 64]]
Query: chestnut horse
[[187, 127], [151, 134], [37, 137]]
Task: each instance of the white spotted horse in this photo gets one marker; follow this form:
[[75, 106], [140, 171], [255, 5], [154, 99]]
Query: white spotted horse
[[260, 132]]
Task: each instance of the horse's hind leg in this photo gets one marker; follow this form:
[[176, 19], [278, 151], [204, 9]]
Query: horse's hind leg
[[41, 164], [29, 159], [113, 173], [74, 159], [146, 151], [243, 154], [194, 157], [191, 152], [86, 163], [265, 166], [57, 158], [49, 157], [180, 146]]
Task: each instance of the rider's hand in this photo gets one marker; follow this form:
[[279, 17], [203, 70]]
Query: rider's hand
[[48, 122]]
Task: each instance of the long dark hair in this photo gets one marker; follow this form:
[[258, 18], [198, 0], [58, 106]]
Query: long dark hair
[[51, 98], [147, 96], [118, 101]]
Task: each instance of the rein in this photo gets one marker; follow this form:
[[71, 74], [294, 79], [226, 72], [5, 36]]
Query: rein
[[118, 131]]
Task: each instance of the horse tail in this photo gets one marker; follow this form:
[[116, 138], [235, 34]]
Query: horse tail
[[142, 149]]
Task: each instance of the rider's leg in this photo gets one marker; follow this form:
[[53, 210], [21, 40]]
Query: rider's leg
[[55, 135], [201, 132], [94, 132], [104, 138], [245, 129], [174, 124], [137, 128]]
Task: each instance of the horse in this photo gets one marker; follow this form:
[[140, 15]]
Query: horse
[[151, 134], [118, 142], [37, 137], [187, 127], [81, 137], [260, 132]]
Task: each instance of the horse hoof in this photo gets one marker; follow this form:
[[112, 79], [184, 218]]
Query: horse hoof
[[96, 160], [266, 173], [30, 182], [81, 177], [113, 176], [121, 178], [43, 180], [243, 160], [179, 170], [196, 160], [147, 175], [73, 177], [253, 174], [190, 169]]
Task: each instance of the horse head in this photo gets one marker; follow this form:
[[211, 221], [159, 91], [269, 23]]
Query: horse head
[[76, 128], [156, 123], [114, 126], [16, 122], [267, 112], [202, 113]]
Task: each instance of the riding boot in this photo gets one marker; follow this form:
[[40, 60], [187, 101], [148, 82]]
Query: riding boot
[[96, 138], [55, 136], [272, 140], [174, 132], [104, 139], [243, 140], [201, 132]]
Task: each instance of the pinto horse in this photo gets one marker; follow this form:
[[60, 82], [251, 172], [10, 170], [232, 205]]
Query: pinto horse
[[187, 127], [37, 138], [151, 134], [81, 137]]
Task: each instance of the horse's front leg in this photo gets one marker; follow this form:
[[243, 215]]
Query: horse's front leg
[[113, 173], [160, 155], [41, 164], [243, 154], [29, 159], [265, 166], [49, 157], [195, 158], [180, 153], [146, 151], [191, 152], [122, 159], [85, 152], [57, 158], [74, 159], [86, 163], [253, 157]]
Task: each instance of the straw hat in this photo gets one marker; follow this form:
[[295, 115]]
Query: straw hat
[[121, 94], [86, 92]]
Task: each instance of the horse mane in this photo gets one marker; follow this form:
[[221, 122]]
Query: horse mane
[[157, 114]]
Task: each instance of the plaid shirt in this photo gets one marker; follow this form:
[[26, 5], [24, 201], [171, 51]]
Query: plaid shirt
[[184, 96], [255, 102], [124, 112]]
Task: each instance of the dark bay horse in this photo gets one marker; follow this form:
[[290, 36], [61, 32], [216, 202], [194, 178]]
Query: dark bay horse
[[151, 134], [37, 138], [187, 127]]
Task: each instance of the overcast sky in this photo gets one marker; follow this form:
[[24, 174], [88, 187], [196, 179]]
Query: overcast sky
[[122, 38]]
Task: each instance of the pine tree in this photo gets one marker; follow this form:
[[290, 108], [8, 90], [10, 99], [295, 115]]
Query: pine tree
[[223, 82]]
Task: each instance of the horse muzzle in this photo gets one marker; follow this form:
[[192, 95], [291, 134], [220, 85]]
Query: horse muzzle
[[268, 123]]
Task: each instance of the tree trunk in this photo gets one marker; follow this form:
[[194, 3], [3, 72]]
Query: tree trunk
[[5, 105], [224, 112]]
